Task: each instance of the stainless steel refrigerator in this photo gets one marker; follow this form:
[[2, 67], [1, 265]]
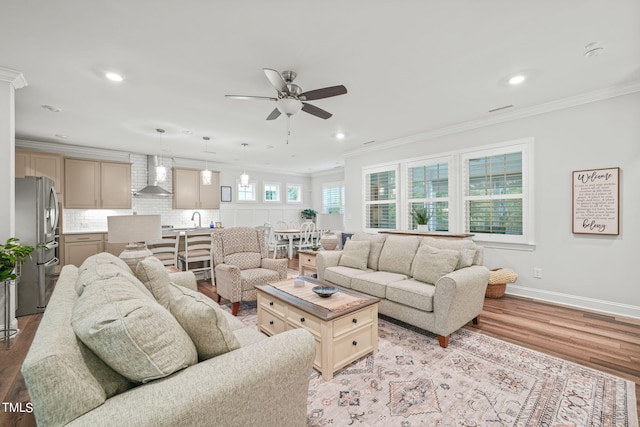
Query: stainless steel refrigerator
[[37, 214]]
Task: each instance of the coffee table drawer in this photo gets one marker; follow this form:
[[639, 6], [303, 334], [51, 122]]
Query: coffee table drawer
[[271, 324], [304, 320], [352, 346], [353, 321], [272, 304]]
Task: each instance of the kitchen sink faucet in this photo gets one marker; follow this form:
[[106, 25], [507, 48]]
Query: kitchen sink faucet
[[199, 219]]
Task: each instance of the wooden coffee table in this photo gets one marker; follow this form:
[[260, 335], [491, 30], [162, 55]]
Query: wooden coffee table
[[341, 336]]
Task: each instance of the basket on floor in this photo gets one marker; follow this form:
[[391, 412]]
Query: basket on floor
[[498, 279]]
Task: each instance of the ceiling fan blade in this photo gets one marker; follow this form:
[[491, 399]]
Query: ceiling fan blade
[[274, 114], [318, 112], [260, 98], [323, 93], [276, 80]]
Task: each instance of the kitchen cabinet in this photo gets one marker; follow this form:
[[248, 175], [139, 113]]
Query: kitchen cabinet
[[34, 163], [78, 247], [189, 193], [91, 184]]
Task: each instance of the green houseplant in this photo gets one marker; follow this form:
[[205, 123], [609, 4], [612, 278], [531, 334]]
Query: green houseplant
[[421, 216], [308, 213], [12, 253]]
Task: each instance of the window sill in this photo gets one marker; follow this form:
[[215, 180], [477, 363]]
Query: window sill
[[527, 247]]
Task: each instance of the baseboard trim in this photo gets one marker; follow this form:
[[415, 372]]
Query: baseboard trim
[[593, 304]]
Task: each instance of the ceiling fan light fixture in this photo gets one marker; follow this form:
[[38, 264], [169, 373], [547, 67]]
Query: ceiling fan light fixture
[[289, 106]]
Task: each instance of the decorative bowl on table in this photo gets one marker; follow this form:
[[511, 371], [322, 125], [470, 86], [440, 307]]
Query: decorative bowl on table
[[324, 291]]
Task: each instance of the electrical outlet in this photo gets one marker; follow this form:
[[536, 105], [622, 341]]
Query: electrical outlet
[[537, 273]]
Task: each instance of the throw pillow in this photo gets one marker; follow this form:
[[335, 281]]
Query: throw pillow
[[130, 332], [355, 254], [430, 264], [154, 276], [466, 248], [104, 266], [377, 241], [203, 320]]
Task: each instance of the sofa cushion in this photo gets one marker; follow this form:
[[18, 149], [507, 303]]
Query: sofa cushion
[[467, 248], [397, 254], [154, 276], [412, 293], [430, 264], [375, 283], [130, 332], [244, 260], [376, 241], [342, 276], [355, 254], [203, 320], [104, 266]]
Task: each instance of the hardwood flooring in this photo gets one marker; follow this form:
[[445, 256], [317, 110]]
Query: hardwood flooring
[[605, 342]]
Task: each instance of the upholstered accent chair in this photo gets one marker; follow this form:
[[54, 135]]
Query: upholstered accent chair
[[240, 261]]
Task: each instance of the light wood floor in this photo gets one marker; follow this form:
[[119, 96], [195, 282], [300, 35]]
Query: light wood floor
[[604, 342]]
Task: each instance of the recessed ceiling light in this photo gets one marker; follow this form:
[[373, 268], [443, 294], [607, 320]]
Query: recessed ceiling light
[[340, 135], [114, 77], [187, 132], [516, 80], [51, 108]]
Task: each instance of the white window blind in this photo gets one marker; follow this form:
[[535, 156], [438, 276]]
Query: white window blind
[[333, 198], [381, 199], [495, 193], [428, 194]]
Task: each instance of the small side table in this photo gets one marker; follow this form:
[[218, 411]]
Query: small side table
[[307, 260]]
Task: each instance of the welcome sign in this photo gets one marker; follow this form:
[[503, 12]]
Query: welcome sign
[[596, 201]]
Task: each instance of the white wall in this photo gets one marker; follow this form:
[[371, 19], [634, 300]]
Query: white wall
[[317, 180], [597, 272]]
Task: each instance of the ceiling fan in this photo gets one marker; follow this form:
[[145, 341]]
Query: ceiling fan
[[291, 98]]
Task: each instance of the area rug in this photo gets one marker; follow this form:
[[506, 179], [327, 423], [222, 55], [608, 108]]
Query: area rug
[[476, 381]]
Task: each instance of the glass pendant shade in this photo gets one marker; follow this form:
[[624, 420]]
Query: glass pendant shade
[[206, 177], [244, 179], [161, 173]]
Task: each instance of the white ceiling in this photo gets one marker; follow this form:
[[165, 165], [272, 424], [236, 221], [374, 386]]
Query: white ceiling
[[410, 67]]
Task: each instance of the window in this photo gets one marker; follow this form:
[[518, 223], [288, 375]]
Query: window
[[271, 192], [248, 193], [294, 193], [496, 194], [380, 198], [428, 193], [333, 198]]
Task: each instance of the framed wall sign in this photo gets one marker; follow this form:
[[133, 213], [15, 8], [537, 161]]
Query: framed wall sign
[[225, 193], [596, 201]]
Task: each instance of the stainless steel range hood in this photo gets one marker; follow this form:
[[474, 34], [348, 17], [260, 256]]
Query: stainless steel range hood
[[152, 189]]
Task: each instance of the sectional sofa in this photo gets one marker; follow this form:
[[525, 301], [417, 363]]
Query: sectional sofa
[[116, 349], [437, 284]]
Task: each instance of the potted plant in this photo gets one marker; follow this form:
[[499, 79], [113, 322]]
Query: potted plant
[[421, 217], [12, 253], [308, 213]]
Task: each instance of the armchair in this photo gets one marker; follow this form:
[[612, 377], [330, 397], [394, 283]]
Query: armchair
[[241, 262]]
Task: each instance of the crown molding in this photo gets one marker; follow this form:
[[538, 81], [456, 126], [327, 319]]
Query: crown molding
[[573, 101], [16, 78]]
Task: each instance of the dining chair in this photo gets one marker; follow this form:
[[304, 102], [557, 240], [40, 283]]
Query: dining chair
[[197, 248], [294, 224], [166, 249], [281, 225], [274, 243], [308, 235]]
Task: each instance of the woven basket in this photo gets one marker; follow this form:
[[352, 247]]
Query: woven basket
[[498, 279]]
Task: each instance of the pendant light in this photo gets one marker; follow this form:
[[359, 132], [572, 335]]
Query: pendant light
[[206, 175], [244, 178], [161, 171]]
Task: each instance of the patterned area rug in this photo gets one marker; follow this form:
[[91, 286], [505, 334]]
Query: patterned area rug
[[476, 381]]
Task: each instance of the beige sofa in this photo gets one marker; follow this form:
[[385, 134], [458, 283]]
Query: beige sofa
[[114, 350], [435, 284]]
